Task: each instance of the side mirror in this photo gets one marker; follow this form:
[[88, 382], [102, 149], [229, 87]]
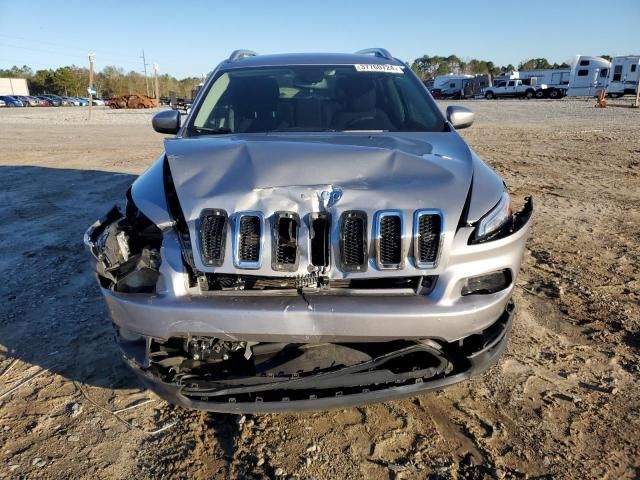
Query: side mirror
[[459, 117], [166, 122]]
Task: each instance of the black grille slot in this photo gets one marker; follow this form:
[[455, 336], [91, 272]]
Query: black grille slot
[[319, 228], [213, 236], [249, 233], [428, 239], [353, 241], [285, 241], [390, 241]]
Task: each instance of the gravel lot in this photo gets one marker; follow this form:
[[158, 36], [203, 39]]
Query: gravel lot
[[563, 402]]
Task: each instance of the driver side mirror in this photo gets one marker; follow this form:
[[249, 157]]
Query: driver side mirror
[[166, 122], [459, 117]]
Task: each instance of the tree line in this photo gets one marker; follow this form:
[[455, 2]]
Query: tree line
[[110, 82], [428, 67]]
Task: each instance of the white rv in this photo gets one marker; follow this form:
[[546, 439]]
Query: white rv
[[449, 86], [624, 75]]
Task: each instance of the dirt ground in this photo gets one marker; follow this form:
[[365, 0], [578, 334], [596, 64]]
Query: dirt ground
[[563, 402]]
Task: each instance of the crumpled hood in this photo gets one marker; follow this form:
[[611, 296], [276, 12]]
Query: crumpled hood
[[270, 173]]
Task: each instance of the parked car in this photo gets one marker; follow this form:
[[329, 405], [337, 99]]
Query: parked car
[[98, 102], [11, 101], [44, 102], [2, 103], [71, 101], [54, 100], [28, 101], [84, 102], [303, 244]]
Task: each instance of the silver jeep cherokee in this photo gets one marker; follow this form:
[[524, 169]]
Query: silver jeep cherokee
[[315, 235]]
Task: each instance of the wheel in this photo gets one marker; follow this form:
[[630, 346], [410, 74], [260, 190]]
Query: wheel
[[530, 94], [540, 93], [554, 94], [489, 95]]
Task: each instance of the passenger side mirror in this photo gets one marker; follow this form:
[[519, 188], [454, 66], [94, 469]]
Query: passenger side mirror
[[166, 122], [459, 117]]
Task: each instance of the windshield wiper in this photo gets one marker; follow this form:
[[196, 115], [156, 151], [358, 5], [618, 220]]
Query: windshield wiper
[[212, 131]]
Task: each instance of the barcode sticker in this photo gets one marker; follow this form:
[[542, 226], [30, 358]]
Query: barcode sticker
[[375, 67]]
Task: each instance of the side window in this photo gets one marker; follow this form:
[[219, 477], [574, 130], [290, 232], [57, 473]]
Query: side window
[[511, 83], [452, 85], [584, 63], [617, 73], [583, 73], [604, 72], [633, 68]]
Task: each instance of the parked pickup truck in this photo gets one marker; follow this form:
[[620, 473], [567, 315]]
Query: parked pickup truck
[[513, 88]]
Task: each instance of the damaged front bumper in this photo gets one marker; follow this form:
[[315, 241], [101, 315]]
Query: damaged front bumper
[[305, 348], [206, 374]]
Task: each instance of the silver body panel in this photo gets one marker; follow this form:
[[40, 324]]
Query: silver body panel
[[269, 173]]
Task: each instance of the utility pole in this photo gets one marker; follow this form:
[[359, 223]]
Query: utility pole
[[92, 59], [155, 81], [146, 79]]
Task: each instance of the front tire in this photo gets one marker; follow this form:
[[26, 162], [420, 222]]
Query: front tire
[[489, 95], [530, 94]]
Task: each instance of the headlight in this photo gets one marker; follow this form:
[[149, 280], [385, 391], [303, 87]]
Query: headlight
[[496, 221]]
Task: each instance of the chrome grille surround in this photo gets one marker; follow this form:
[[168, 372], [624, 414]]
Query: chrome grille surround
[[435, 240], [212, 234], [353, 248], [389, 239], [285, 254], [241, 221]]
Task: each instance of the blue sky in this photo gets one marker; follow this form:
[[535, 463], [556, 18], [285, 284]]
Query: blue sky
[[190, 37]]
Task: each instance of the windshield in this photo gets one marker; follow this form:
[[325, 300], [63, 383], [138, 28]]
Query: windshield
[[315, 99]]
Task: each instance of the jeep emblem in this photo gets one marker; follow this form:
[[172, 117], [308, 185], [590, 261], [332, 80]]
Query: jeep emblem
[[330, 197]]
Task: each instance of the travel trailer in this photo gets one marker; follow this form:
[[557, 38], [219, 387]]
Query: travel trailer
[[459, 86], [623, 76], [449, 86]]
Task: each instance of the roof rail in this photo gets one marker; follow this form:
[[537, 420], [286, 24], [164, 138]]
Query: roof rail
[[238, 54], [378, 52]]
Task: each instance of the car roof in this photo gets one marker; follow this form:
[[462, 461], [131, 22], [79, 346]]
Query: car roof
[[284, 59]]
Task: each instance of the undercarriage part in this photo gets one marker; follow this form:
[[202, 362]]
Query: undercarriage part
[[216, 282], [207, 369], [127, 250]]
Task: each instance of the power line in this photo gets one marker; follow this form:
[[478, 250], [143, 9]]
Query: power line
[[128, 63], [68, 47]]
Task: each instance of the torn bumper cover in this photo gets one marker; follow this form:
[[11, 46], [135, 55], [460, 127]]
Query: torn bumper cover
[[213, 375]]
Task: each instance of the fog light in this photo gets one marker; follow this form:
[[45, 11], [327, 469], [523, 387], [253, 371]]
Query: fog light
[[489, 283]]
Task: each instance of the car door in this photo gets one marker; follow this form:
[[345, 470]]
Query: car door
[[510, 89]]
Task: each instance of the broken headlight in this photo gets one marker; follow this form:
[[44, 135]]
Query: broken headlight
[[497, 221]]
